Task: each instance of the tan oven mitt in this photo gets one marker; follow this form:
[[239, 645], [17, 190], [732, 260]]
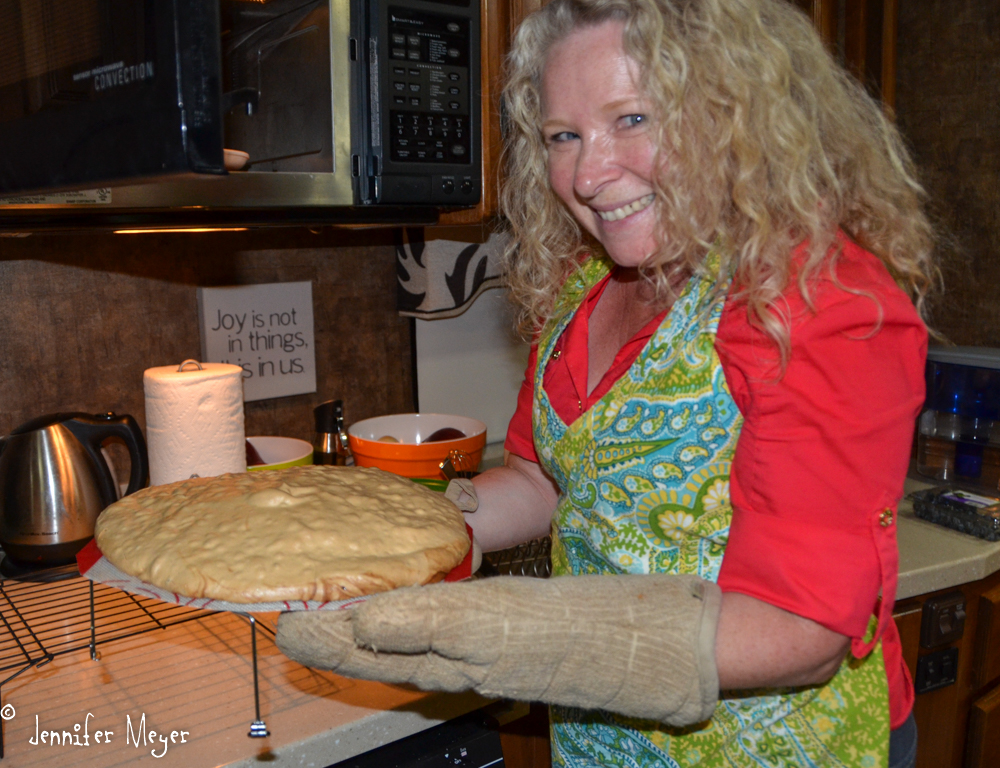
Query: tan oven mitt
[[462, 493], [642, 645]]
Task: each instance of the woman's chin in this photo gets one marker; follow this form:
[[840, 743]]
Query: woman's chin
[[629, 255], [630, 241]]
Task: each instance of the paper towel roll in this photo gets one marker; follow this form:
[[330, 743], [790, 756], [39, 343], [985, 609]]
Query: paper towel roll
[[194, 421]]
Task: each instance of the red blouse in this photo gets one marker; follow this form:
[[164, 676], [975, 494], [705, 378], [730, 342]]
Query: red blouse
[[822, 454]]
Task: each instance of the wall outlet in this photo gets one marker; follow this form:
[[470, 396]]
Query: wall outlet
[[943, 620], [936, 670]]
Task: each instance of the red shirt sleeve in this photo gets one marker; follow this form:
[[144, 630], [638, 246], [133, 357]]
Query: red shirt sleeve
[[824, 449], [520, 440]]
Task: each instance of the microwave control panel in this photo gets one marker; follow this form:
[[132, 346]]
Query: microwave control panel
[[424, 121]]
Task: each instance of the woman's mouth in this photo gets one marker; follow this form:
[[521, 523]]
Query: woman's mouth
[[627, 210]]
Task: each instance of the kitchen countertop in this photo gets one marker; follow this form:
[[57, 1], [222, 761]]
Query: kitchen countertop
[[932, 557], [196, 677]]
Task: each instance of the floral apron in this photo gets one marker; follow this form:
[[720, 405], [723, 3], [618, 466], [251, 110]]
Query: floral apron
[[644, 481]]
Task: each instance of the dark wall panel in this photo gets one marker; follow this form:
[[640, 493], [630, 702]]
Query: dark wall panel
[[948, 106]]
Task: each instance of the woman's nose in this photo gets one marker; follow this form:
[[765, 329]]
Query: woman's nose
[[595, 166]]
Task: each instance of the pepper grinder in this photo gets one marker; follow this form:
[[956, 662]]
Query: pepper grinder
[[330, 445]]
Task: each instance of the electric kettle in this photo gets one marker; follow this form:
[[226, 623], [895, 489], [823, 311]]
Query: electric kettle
[[54, 482]]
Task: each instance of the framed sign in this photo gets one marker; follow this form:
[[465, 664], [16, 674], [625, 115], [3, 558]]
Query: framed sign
[[265, 329]]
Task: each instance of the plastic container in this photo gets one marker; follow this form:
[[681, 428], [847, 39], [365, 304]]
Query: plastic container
[[958, 435], [960, 510], [411, 456]]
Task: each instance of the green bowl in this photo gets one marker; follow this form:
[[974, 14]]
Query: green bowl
[[281, 452], [433, 483]]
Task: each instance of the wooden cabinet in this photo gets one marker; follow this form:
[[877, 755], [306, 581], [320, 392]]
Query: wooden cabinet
[[525, 741], [824, 14], [983, 742], [870, 45], [958, 725], [988, 639], [862, 35], [984, 732]]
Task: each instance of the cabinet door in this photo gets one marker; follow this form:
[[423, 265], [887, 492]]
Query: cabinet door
[[866, 44], [525, 741], [987, 664], [908, 616], [870, 45], [824, 16], [983, 748]]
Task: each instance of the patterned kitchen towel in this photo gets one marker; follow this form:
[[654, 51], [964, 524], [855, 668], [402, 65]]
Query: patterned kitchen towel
[[441, 278]]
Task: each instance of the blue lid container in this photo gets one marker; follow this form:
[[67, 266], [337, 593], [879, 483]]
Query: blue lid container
[[964, 381]]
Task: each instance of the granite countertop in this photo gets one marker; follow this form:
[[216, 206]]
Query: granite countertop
[[932, 557]]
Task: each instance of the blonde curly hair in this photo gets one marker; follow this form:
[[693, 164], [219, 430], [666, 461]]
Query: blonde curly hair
[[771, 144]]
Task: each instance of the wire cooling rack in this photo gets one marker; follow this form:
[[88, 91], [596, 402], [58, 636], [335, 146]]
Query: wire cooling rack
[[59, 612], [45, 619], [533, 558]]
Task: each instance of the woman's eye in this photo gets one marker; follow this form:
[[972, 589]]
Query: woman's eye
[[633, 120], [558, 138]]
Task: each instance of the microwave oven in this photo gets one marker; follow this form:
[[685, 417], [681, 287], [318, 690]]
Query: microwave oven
[[131, 105]]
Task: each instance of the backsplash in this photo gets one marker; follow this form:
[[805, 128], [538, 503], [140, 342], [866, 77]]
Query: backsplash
[[83, 315]]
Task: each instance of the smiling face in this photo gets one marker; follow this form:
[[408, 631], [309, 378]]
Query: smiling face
[[599, 139]]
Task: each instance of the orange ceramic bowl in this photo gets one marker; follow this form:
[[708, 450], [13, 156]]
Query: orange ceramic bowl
[[411, 457]]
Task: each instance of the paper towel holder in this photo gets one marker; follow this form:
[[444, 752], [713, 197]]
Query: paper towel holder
[[180, 368]]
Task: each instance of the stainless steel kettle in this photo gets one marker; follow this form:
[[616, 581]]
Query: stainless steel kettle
[[54, 482]]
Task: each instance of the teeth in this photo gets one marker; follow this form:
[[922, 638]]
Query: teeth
[[627, 210]]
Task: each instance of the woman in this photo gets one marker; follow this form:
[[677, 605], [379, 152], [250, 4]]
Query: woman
[[715, 233]]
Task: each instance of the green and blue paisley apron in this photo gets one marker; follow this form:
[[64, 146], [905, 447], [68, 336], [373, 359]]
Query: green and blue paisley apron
[[644, 480]]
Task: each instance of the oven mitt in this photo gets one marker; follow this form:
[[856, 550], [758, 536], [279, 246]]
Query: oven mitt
[[639, 645], [462, 493]]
